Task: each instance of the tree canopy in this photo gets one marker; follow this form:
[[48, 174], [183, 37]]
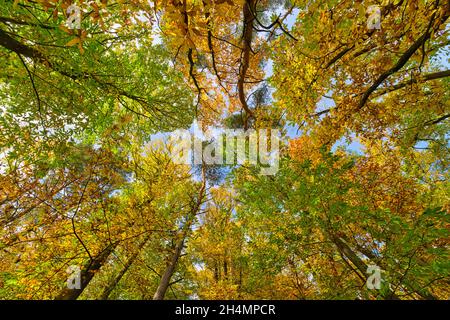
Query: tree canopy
[[89, 187]]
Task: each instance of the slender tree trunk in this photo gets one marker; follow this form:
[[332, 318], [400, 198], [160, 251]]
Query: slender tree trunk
[[170, 268], [87, 273], [110, 287], [247, 36], [345, 250], [216, 271], [225, 269]]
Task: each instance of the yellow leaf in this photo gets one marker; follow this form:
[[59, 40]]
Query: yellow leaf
[[80, 47], [65, 29], [73, 42]]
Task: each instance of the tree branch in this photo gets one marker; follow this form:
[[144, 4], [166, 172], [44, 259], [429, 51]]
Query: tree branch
[[400, 63]]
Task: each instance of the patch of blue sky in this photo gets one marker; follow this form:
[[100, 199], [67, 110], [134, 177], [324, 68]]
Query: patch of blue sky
[[349, 143]]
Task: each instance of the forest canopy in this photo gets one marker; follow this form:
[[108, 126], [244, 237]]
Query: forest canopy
[[336, 114]]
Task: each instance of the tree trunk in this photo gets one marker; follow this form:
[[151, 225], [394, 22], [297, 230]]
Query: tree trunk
[[108, 289], [225, 269], [216, 271], [345, 250], [87, 273], [170, 268]]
